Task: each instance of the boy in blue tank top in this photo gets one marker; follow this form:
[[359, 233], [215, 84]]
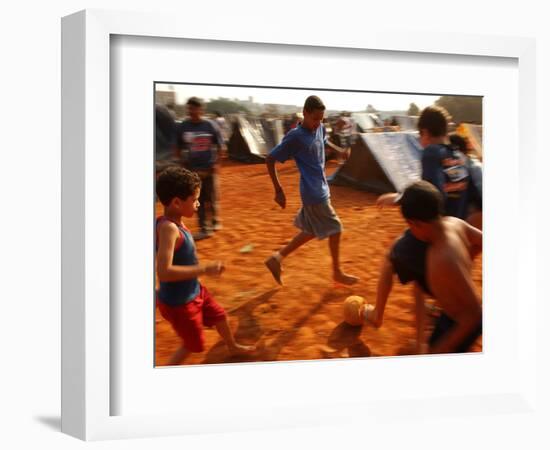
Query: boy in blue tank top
[[316, 218], [182, 299]]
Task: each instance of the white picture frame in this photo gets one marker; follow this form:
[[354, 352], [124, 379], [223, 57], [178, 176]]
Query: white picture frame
[[87, 385]]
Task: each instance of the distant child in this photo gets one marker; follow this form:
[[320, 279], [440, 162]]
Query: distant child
[[316, 217], [222, 125], [344, 130], [182, 299]]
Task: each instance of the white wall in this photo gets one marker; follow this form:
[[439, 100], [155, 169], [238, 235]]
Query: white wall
[[30, 228]]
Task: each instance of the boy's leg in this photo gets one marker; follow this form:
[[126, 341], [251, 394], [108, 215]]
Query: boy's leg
[[225, 332], [186, 321], [214, 203], [339, 276], [213, 314], [420, 310], [179, 356], [204, 198], [273, 263], [444, 325], [208, 199], [202, 220], [297, 241]]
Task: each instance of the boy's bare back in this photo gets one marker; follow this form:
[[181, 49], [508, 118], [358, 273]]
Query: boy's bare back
[[449, 264]]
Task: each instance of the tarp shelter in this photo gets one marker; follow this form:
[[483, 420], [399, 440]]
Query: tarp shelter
[[366, 121], [407, 123], [247, 143], [272, 132], [381, 162], [165, 138]]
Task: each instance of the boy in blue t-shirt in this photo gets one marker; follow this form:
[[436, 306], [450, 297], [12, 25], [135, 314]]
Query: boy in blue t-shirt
[[316, 218], [199, 143]]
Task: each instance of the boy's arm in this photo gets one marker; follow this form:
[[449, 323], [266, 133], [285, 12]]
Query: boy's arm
[[336, 147], [431, 168], [168, 235], [475, 238], [220, 150], [385, 285], [460, 286], [280, 197], [220, 145], [383, 290], [420, 308], [343, 153], [389, 199], [282, 152]]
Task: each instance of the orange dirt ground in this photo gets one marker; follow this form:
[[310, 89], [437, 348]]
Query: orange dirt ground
[[302, 320]]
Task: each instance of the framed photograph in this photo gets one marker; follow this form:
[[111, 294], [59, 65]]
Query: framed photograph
[[226, 134], [309, 366]]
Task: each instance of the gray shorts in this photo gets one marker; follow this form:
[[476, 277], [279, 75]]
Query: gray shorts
[[320, 220]]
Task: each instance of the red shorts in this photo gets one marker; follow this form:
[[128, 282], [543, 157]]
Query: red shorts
[[189, 320]]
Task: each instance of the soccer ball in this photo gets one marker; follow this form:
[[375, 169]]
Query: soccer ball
[[354, 310]]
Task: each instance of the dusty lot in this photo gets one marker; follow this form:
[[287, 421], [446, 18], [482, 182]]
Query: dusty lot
[[302, 319]]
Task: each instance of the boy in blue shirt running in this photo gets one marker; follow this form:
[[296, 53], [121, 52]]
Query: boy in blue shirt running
[[316, 217]]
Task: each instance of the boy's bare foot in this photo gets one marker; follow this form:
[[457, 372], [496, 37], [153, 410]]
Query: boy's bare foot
[[239, 349], [344, 278], [274, 267]]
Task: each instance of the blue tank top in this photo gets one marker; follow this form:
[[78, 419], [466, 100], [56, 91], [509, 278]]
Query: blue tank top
[[176, 293]]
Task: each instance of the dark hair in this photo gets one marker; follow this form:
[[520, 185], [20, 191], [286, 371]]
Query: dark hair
[[459, 142], [313, 103], [435, 120], [195, 101], [421, 201], [176, 182]]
